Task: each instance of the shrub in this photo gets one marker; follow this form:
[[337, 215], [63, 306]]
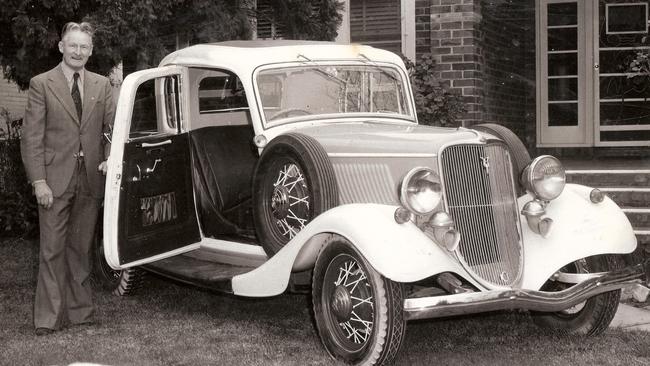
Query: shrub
[[18, 211], [436, 105]]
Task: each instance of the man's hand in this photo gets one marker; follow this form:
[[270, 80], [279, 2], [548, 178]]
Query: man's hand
[[43, 194], [103, 167]]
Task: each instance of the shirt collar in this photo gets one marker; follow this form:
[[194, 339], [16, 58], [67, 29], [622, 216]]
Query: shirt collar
[[69, 73]]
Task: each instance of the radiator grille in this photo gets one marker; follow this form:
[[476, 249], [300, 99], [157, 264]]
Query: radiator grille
[[480, 197]]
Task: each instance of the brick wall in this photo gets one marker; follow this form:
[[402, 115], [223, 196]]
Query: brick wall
[[507, 41], [454, 42], [12, 99], [485, 51], [423, 42]]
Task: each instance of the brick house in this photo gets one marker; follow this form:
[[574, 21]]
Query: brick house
[[554, 71]]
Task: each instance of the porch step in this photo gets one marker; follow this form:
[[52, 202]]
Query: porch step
[[610, 177], [643, 240], [627, 184], [629, 196], [639, 217]]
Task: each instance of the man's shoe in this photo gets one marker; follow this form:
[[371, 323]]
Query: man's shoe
[[88, 323], [43, 331]]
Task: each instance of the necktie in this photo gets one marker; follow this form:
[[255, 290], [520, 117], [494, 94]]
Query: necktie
[[76, 95]]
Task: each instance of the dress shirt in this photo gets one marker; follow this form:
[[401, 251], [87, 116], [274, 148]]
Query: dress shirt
[[69, 76]]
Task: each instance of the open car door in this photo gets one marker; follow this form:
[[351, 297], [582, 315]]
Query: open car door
[[150, 212]]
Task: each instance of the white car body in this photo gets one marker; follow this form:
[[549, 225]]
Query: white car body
[[401, 252]]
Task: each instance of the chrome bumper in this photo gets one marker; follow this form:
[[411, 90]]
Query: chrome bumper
[[478, 302]]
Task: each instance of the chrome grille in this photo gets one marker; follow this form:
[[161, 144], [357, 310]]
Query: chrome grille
[[480, 197]]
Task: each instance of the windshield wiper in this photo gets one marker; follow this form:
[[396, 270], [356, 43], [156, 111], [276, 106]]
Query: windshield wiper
[[382, 70], [324, 72]]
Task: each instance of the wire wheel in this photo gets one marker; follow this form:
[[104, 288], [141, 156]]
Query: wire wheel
[[348, 303], [359, 313], [293, 183], [590, 317], [120, 282], [290, 201]]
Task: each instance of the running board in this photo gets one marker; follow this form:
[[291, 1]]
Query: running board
[[194, 271]]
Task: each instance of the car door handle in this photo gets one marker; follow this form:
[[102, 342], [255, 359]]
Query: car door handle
[[155, 144]]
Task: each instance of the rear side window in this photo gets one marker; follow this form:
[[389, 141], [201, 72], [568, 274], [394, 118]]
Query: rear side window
[[221, 93]]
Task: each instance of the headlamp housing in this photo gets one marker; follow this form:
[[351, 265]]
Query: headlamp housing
[[544, 178], [421, 191]]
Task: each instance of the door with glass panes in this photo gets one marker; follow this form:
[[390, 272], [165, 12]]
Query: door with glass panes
[[592, 87]]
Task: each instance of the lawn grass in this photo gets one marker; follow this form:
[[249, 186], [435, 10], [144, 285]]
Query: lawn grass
[[171, 324]]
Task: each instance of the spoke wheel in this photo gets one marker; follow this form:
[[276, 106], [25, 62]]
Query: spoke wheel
[[591, 317], [358, 312], [349, 307], [121, 282], [290, 200], [293, 183]]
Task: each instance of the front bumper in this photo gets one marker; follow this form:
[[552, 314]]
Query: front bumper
[[478, 302]]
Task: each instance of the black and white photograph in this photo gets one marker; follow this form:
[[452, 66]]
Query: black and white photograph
[[324, 182]]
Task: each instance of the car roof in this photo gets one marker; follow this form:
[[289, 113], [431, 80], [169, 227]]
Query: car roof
[[243, 57]]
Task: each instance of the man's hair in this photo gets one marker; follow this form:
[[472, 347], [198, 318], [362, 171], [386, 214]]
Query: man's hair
[[83, 27]]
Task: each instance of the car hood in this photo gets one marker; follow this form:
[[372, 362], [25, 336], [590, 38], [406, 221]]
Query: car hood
[[371, 137]]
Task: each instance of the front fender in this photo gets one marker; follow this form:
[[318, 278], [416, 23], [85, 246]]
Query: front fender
[[400, 252], [580, 229]]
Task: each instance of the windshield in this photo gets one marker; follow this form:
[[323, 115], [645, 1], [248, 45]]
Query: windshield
[[314, 90]]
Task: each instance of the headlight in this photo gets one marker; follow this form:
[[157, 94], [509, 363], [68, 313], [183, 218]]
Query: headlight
[[544, 177], [421, 191]]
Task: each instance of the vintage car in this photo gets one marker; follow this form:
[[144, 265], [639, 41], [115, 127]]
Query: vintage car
[[256, 167]]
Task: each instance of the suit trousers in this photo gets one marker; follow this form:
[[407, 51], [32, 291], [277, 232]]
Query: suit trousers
[[67, 231]]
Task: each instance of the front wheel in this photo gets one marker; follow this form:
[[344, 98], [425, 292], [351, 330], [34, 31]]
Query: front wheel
[[358, 312], [591, 317]]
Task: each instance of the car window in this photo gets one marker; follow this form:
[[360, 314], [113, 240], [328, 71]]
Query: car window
[[311, 90], [221, 93], [217, 98], [152, 116], [144, 120]]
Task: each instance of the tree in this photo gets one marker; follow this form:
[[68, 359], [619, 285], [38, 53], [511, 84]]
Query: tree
[[315, 19], [141, 32]]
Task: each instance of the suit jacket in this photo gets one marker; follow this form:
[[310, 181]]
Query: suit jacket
[[52, 134]]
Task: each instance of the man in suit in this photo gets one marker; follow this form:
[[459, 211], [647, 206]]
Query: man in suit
[[68, 111]]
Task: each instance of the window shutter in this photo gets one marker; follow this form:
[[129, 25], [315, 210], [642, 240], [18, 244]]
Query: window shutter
[[267, 26], [377, 23]]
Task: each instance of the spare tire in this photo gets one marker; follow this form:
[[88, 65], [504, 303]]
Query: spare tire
[[293, 183], [518, 152]]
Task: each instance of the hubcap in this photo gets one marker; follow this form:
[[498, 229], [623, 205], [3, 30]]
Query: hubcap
[[341, 303], [290, 201], [350, 304], [280, 202]]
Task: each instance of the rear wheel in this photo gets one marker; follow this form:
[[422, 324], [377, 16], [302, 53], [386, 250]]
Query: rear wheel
[[591, 317], [358, 312], [120, 282]]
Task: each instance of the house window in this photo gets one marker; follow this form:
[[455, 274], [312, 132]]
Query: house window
[[377, 23], [267, 26], [627, 18]]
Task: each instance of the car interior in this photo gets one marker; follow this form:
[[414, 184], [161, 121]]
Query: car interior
[[223, 154]]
